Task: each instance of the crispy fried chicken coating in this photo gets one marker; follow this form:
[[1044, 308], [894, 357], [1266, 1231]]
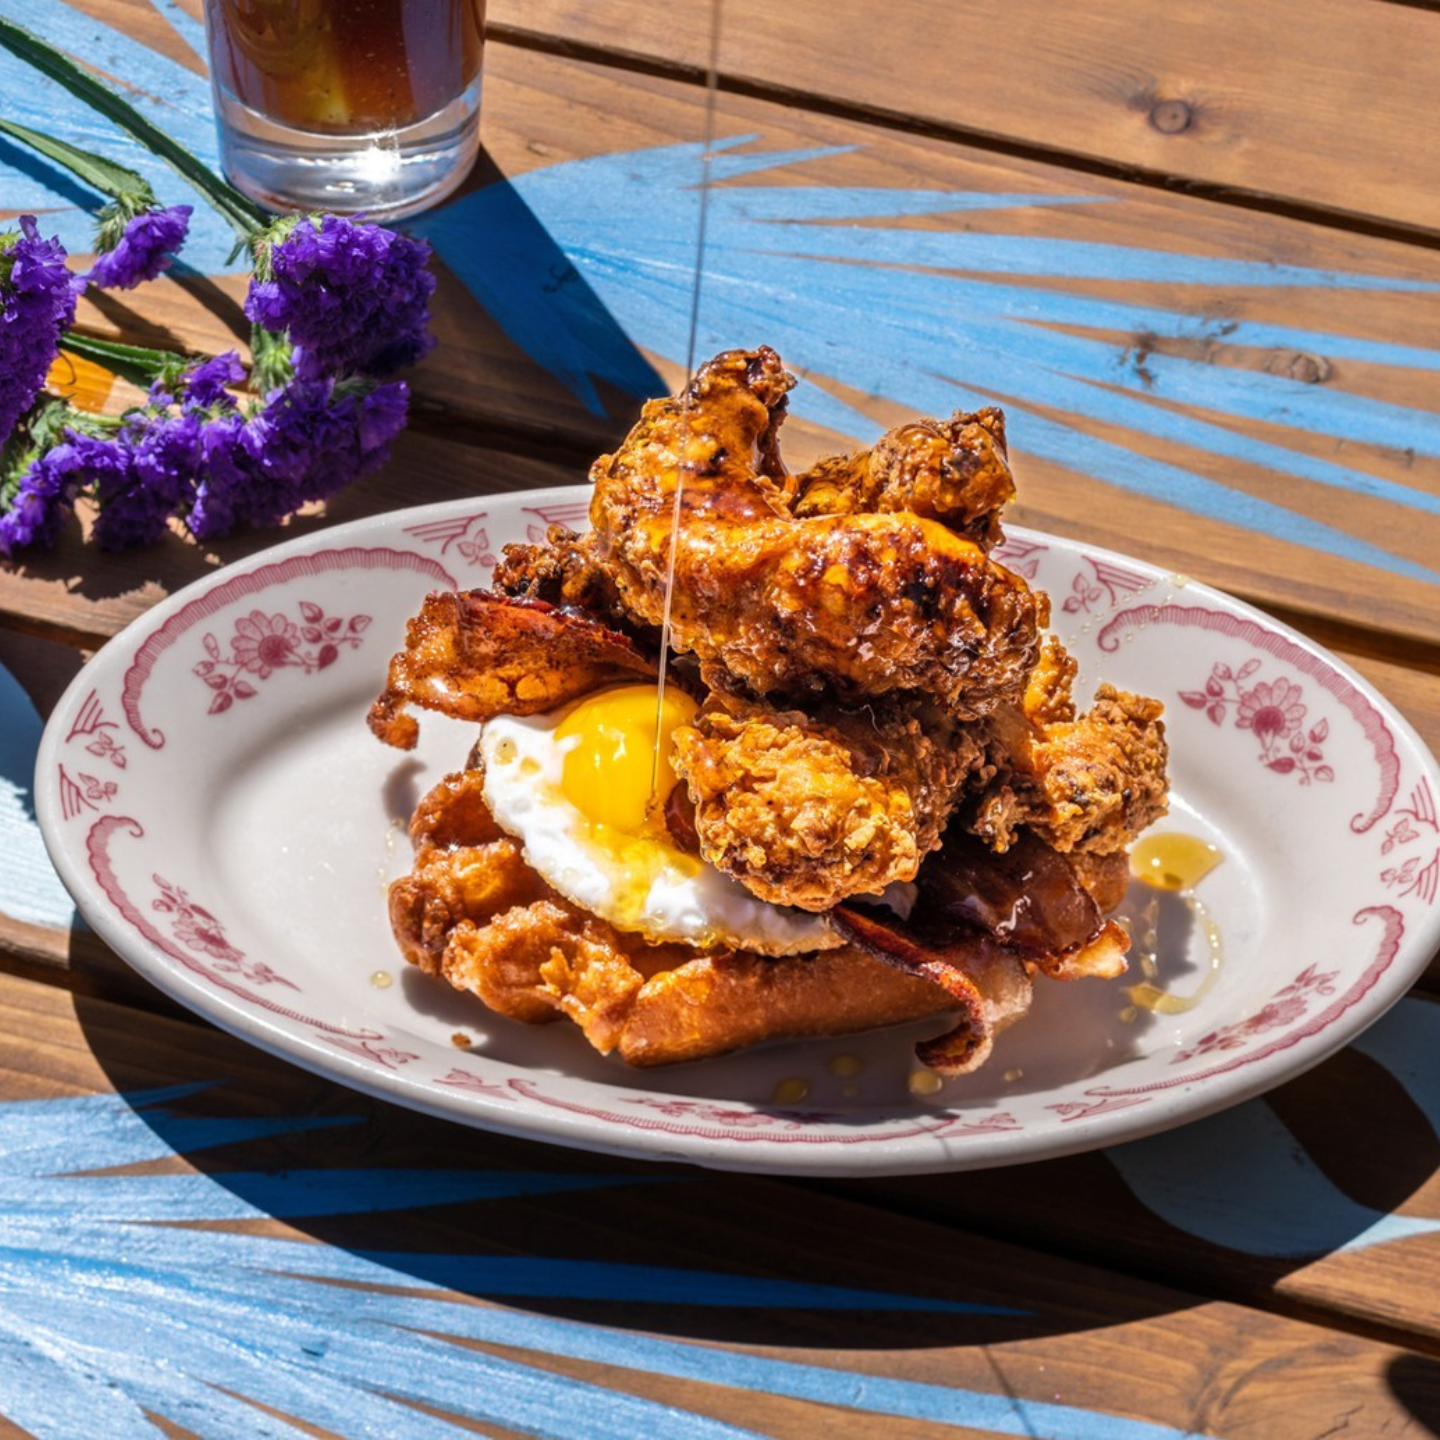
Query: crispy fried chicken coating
[[955, 471], [854, 604], [807, 813], [562, 572], [1088, 782]]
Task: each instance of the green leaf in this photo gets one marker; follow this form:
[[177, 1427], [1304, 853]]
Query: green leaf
[[134, 363], [245, 217], [116, 181]]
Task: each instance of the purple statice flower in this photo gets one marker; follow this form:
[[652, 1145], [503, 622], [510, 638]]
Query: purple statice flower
[[146, 246], [314, 437], [49, 485], [137, 501], [205, 384], [226, 474], [311, 439], [37, 305], [354, 298]]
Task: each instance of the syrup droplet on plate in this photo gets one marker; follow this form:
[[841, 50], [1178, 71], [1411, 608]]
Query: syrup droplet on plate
[[1175, 863]]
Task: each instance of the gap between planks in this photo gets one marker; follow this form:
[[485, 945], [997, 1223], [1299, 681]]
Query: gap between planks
[[1332, 217]]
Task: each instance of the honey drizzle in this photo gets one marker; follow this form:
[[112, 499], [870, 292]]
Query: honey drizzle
[[1174, 863], [712, 90]]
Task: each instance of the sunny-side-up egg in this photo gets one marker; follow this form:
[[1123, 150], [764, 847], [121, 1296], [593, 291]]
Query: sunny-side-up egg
[[582, 791]]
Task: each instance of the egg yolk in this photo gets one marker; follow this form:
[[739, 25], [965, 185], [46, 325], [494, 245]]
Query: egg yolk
[[610, 773]]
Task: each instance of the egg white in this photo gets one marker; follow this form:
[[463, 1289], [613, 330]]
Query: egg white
[[645, 885]]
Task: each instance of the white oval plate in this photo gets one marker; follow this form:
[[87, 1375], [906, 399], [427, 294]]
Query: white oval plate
[[213, 800]]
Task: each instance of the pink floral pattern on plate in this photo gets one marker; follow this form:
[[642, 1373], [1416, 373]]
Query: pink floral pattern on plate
[[464, 533], [1289, 1004], [1274, 712], [1104, 585], [261, 644], [196, 927]]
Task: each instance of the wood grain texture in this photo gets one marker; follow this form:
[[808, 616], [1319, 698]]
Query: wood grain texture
[[1078, 1336], [1146, 402], [1311, 104]]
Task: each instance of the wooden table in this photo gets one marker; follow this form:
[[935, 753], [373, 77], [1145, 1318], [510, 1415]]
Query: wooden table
[[1193, 252]]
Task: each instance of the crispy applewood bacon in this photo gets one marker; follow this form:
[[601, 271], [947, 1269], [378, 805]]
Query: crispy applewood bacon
[[473, 656], [981, 925]]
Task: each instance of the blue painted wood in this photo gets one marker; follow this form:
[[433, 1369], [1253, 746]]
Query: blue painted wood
[[930, 319], [1242, 1180], [29, 888], [105, 1313]]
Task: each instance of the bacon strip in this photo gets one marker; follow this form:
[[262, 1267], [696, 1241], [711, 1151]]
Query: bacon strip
[[473, 655], [980, 924]]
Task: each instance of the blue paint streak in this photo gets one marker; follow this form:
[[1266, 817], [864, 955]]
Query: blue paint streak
[[1022, 368], [1406, 1041], [1240, 1179], [89, 1305], [657, 1285], [502, 254], [172, 96], [30, 890], [874, 326], [560, 261], [283, 1194]]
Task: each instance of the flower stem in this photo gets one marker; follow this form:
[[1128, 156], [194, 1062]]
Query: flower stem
[[95, 170], [244, 217], [136, 363]]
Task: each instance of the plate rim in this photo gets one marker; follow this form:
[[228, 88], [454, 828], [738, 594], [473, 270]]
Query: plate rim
[[916, 1153]]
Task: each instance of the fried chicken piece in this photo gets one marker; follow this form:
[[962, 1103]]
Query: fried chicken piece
[[473, 655], [1088, 782], [853, 604], [562, 572], [809, 813], [955, 471]]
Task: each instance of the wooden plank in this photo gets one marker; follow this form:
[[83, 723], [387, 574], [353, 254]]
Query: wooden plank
[[80, 595], [1284, 101], [1323, 1195], [1243, 398], [733, 1298]]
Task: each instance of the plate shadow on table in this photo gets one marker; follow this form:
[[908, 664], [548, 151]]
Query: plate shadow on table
[[668, 1249], [1230, 1205], [1414, 1380]]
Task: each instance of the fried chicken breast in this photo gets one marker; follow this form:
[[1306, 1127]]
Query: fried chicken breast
[[859, 603]]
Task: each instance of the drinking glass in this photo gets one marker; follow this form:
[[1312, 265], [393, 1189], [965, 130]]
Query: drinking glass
[[351, 106]]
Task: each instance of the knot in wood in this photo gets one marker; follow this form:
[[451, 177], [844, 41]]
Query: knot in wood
[[1170, 117], [1308, 369]]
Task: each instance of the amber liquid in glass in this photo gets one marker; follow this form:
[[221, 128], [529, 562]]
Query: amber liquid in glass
[[345, 66]]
